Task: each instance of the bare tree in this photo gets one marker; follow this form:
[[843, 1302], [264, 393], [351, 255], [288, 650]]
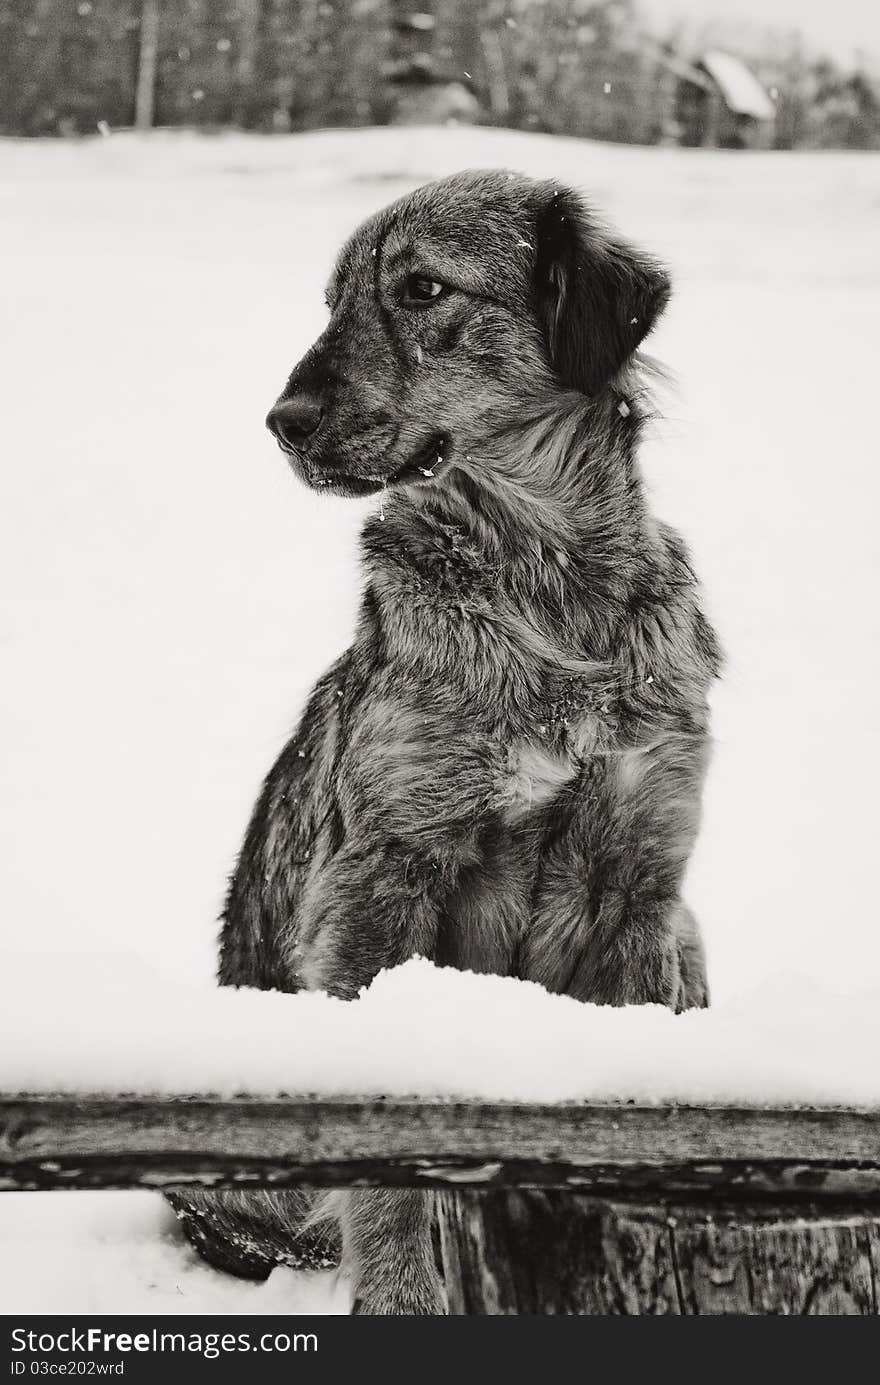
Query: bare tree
[[148, 57]]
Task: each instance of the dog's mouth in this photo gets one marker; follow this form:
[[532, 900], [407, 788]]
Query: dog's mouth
[[423, 469]]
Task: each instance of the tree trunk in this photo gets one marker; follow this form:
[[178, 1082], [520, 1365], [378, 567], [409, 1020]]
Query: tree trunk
[[411, 68], [245, 67], [148, 57]]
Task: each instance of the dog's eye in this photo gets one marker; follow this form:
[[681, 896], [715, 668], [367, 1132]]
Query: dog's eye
[[420, 289]]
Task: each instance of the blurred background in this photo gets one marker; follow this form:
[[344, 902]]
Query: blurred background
[[740, 73]]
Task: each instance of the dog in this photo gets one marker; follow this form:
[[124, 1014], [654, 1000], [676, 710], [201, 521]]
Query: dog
[[503, 773]]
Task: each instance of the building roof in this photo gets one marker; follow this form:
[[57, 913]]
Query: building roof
[[740, 88], [680, 68]]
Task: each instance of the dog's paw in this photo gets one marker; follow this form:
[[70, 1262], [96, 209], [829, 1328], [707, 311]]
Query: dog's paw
[[693, 993]]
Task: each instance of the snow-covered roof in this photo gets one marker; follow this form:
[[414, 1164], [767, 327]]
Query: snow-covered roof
[[740, 88], [683, 69]]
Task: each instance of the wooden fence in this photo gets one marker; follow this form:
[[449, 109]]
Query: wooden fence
[[571, 1209]]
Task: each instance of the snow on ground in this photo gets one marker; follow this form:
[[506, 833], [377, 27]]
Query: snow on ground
[[85, 1253], [172, 593], [431, 1031]]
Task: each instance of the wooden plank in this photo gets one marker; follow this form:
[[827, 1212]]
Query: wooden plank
[[872, 1233], [794, 1267], [556, 1252], [613, 1152], [520, 1251]]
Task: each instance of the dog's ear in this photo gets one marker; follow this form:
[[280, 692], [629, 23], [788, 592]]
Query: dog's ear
[[597, 296]]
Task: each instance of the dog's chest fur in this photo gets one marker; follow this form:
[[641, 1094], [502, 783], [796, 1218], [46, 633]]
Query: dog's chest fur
[[473, 700], [499, 707]]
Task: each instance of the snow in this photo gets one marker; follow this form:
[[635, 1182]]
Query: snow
[[740, 87], [85, 1253], [174, 593], [434, 1032]]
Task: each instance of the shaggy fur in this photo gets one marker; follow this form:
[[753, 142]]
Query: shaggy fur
[[503, 772]]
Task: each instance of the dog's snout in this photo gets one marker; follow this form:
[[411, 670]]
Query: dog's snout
[[293, 421]]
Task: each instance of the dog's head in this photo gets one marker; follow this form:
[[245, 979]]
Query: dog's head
[[470, 300]]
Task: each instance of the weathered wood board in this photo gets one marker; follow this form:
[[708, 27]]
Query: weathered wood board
[[619, 1152], [546, 1251]]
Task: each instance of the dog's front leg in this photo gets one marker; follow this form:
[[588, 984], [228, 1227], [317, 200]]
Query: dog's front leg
[[613, 946], [374, 907], [609, 925], [631, 957], [387, 1248]]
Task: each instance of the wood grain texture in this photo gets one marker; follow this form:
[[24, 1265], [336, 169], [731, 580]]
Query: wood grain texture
[[554, 1252], [522, 1251], [872, 1233], [788, 1267], [619, 1153]]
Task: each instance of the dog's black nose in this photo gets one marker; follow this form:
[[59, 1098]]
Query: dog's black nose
[[293, 421]]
